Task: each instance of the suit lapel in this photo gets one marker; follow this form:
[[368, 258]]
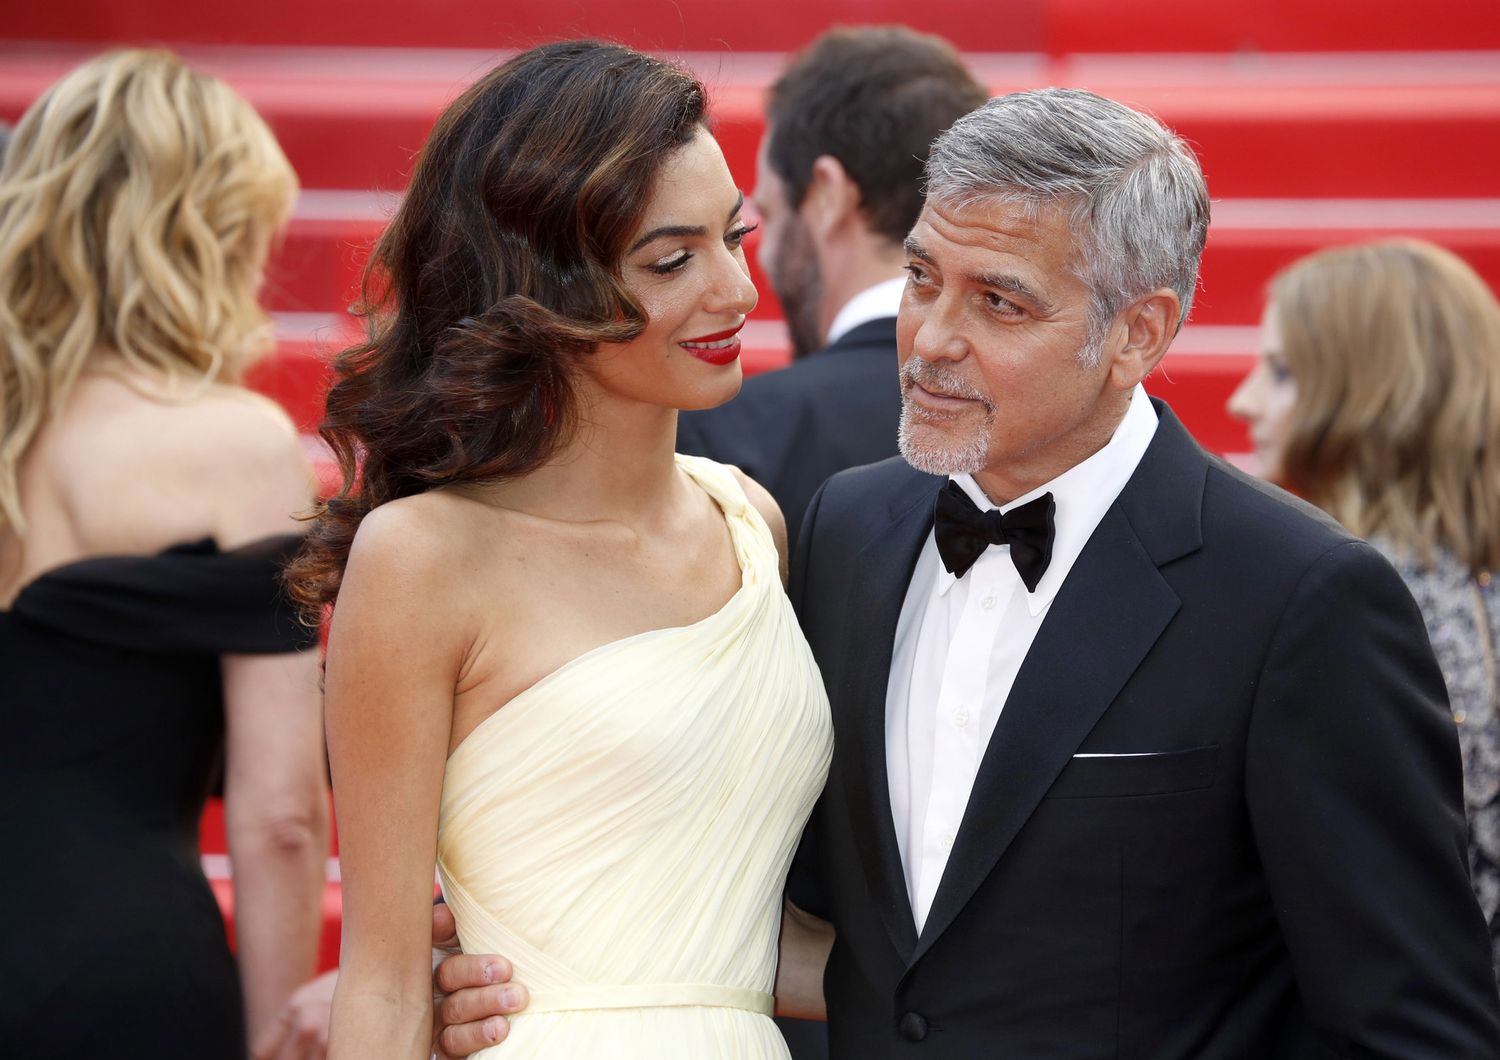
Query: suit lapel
[[1108, 614], [882, 572]]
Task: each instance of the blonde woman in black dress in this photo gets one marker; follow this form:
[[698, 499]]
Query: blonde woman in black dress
[[146, 503]]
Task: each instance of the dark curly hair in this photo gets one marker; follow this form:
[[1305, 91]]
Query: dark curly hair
[[499, 272]]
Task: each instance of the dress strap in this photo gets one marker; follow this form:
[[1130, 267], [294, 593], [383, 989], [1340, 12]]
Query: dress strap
[[651, 995]]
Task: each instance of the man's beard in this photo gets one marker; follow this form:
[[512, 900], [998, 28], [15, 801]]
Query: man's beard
[[963, 452], [798, 284]]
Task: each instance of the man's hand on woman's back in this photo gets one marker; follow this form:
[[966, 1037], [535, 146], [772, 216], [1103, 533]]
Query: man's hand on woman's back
[[474, 994]]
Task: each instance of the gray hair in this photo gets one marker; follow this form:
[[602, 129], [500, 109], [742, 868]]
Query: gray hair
[[1132, 191]]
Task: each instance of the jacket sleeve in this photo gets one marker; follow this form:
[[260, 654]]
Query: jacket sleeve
[[1353, 787], [802, 550]]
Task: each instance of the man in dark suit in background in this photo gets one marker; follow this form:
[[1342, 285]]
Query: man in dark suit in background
[[838, 186], [1135, 757]]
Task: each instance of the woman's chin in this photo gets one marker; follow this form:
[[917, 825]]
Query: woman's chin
[[721, 393]]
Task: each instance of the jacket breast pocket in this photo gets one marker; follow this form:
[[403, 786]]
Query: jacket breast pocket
[[1120, 776]]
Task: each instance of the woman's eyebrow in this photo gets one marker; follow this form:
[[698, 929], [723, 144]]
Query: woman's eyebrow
[[683, 231]]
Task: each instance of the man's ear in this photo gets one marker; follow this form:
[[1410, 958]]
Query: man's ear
[[832, 196], [1150, 324]]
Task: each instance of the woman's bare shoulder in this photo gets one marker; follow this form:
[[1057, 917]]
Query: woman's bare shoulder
[[443, 540], [760, 498], [224, 463], [439, 563]]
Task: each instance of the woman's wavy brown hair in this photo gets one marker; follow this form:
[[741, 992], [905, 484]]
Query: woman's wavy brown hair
[[1395, 432], [499, 272]]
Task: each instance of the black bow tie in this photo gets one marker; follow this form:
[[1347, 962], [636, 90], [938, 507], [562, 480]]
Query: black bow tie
[[963, 532]]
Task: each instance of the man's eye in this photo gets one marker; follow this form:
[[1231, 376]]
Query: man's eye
[[917, 273], [1003, 306]]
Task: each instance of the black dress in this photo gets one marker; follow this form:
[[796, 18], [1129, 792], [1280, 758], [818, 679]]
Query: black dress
[[111, 732]]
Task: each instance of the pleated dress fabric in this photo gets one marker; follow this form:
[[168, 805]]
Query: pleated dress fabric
[[622, 829]]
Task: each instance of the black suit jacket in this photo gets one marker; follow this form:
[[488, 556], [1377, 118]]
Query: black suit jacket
[[1282, 876], [792, 428]]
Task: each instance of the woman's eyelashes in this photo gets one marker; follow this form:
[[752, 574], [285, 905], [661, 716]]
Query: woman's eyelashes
[[672, 264], [734, 239], [737, 235]]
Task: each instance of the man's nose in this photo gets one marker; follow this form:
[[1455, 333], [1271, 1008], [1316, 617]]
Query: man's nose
[[939, 335]]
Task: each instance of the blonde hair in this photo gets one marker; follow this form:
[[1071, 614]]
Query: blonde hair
[[1395, 349], [138, 200]]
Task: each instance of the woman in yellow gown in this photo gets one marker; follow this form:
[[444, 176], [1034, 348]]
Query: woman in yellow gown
[[561, 658]]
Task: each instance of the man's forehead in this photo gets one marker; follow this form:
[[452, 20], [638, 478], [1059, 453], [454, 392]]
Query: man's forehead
[[1039, 235], [769, 191]]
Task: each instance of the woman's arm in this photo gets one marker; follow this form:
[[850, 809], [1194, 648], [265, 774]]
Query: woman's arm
[[276, 820], [395, 652], [275, 784], [806, 942]]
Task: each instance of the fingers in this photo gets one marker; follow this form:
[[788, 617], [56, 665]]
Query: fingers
[[474, 1018], [267, 1045], [444, 927], [467, 1038], [301, 1029], [480, 1003], [471, 970], [298, 1035], [307, 1041]]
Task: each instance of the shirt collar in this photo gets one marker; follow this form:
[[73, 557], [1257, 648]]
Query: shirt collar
[[872, 303], [1083, 493]]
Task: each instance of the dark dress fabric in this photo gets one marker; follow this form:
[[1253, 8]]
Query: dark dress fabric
[[113, 945]]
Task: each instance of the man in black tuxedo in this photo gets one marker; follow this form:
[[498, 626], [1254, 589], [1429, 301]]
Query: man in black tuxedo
[[1135, 757], [838, 186]]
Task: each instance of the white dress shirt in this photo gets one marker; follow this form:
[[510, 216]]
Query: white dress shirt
[[872, 303], [960, 643]]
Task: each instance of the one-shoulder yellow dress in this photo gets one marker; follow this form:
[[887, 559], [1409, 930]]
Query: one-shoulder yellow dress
[[622, 830]]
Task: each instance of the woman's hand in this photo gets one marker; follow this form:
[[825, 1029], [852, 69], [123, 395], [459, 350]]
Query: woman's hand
[[301, 1030]]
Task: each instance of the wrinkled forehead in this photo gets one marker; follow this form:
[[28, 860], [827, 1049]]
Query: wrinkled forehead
[[1037, 237]]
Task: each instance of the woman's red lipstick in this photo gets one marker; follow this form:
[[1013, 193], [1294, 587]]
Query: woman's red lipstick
[[719, 348]]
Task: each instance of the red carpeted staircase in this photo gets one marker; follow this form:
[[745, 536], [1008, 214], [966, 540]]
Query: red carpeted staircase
[[1318, 122]]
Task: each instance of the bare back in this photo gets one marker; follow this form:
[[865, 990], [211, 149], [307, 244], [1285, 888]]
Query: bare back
[[124, 468]]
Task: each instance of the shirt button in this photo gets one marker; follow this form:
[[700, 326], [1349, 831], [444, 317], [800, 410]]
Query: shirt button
[[1460, 716], [960, 718], [946, 840], [989, 601]]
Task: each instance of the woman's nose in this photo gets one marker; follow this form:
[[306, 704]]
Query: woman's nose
[[1244, 403], [732, 291]]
